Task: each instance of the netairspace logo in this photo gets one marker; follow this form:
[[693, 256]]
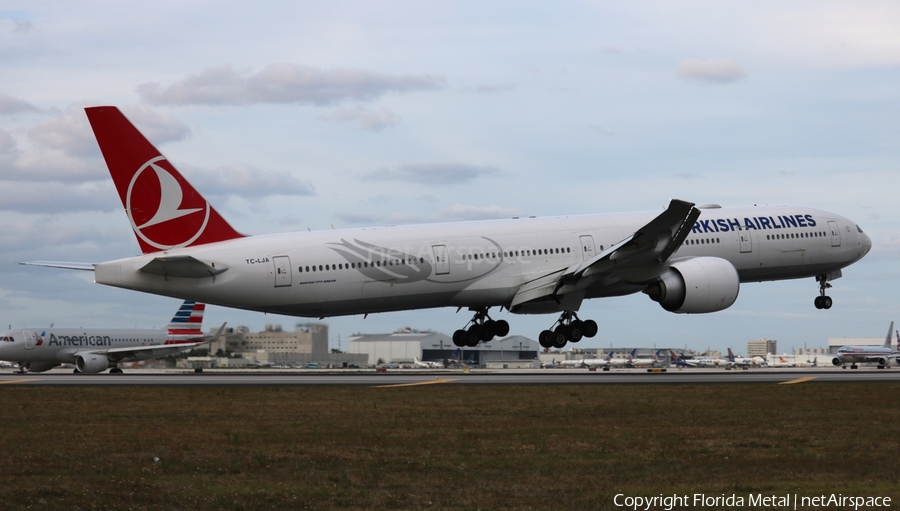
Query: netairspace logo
[[753, 500]]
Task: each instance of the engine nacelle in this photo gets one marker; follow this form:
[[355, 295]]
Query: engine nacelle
[[91, 363], [38, 367], [697, 285], [883, 361], [836, 361]]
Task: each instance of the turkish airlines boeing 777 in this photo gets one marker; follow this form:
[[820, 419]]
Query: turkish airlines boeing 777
[[688, 259]]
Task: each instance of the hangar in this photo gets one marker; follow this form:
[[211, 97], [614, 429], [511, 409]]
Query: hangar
[[402, 346]]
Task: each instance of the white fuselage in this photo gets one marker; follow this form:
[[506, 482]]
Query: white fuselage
[[860, 354], [61, 345], [477, 264]]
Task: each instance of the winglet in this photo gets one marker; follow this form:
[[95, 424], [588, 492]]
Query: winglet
[[681, 234], [208, 338], [164, 210]]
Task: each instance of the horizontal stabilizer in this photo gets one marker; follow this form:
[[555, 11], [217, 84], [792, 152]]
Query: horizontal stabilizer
[[65, 266], [182, 266]]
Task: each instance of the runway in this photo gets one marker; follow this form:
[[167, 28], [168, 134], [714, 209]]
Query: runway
[[404, 378]]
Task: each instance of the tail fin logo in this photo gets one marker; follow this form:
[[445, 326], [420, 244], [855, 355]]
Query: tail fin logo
[[164, 210]]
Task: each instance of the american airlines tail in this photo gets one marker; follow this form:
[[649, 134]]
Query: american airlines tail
[[187, 324], [164, 210]]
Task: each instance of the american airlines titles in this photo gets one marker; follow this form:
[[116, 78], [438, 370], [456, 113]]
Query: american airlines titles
[[757, 223], [80, 340]]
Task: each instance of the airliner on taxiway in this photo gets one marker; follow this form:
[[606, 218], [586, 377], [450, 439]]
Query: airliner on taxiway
[[688, 259]]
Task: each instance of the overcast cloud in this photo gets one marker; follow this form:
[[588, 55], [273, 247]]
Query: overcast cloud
[[712, 71], [429, 173], [283, 83]]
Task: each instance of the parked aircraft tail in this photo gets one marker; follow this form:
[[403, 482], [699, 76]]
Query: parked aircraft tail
[[889, 338], [187, 324], [164, 210]]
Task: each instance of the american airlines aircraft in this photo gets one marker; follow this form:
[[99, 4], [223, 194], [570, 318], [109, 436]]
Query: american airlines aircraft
[[95, 350], [687, 259], [853, 355]]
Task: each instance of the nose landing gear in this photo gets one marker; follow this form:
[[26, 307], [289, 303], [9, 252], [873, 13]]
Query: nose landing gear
[[822, 301], [569, 328]]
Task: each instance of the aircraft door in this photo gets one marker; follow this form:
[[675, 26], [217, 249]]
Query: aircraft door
[[746, 242], [835, 233], [441, 260], [587, 247], [282, 271], [29, 339]]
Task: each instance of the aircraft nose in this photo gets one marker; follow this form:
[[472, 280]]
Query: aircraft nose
[[866, 242]]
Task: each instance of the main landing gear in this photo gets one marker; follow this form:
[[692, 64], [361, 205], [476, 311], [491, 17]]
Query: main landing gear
[[482, 328], [568, 329], [823, 301]]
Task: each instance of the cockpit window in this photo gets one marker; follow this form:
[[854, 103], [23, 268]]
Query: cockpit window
[[858, 228], [7, 339]]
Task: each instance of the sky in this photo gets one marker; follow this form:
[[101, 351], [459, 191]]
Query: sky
[[304, 115]]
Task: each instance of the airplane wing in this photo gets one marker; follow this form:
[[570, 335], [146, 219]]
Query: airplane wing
[[638, 258], [117, 355], [159, 350]]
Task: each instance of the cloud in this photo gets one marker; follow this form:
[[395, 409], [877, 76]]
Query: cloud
[[455, 212], [159, 128], [283, 83], [360, 218], [10, 105], [711, 71], [56, 197], [460, 212], [432, 173], [42, 237], [366, 119], [8, 148], [63, 148], [70, 132], [600, 130], [246, 181], [491, 89], [16, 26]]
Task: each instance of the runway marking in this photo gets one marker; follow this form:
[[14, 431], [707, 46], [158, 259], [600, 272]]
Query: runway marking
[[798, 380], [17, 381], [429, 382]]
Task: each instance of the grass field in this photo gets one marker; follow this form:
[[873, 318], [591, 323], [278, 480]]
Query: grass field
[[440, 446]]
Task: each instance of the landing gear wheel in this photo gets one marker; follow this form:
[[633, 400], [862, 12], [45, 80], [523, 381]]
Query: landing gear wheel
[[482, 328], [115, 370], [473, 335], [572, 329], [487, 331], [590, 328], [823, 301], [459, 338], [575, 331], [545, 339], [559, 337]]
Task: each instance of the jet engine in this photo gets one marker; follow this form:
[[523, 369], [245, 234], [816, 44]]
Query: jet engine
[[836, 361], [883, 361], [91, 363], [696, 285], [38, 367]]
